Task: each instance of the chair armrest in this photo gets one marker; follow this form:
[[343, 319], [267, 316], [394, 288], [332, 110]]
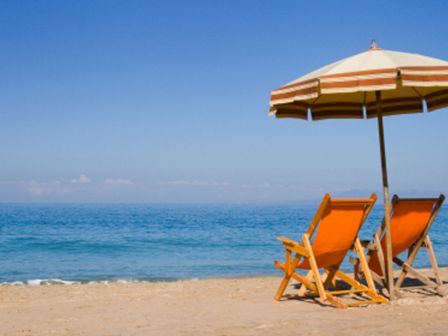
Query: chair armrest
[[368, 245], [365, 243], [294, 246], [287, 240], [353, 261]]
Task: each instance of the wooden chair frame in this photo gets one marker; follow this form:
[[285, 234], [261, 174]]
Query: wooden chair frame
[[406, 266], [325, 286]]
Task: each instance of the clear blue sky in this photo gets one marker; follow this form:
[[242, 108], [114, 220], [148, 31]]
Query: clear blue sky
[[167, 101]]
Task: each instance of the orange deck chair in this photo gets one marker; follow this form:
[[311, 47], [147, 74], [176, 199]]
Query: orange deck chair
[[335, 228], [411, 219]]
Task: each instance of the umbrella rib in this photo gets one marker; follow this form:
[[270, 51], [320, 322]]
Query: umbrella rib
[[416, 91], [314, 101], [311, 106], [424, 106]]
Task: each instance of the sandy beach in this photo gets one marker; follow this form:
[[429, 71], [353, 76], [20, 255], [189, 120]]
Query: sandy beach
[[219, 306]]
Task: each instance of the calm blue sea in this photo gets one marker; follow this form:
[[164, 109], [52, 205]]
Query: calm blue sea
[[148, 242]]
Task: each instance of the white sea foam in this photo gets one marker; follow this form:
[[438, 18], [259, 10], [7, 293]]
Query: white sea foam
[[38, 282], [44, 282], [55, 281], [13, 283]]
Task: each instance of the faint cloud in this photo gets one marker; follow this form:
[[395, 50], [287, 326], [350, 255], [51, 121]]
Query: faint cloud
[[39, 189], [265, 185], [119, 181], [195, 183], [82, 179]]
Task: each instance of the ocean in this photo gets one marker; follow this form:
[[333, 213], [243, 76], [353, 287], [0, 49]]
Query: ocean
[[63, 243]]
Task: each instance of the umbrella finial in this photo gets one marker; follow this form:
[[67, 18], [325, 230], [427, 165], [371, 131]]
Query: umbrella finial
[[374, 45]]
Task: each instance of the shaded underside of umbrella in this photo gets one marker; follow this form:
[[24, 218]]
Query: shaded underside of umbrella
[[346, 89]]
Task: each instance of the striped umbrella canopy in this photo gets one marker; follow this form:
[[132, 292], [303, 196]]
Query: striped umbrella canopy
[[346, 89], [372, 84]]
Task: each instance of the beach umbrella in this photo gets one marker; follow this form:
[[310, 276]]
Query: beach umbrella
[[371, 84]]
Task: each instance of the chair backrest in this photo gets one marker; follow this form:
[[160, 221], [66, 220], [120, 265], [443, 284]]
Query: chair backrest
[[336, 226], [411, 219]]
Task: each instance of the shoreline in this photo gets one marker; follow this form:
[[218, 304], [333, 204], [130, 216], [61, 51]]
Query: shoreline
[[57, 281], [212, 306], [124, 280]]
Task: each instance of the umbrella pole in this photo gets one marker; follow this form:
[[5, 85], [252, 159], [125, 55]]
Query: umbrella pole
[[387, 206]]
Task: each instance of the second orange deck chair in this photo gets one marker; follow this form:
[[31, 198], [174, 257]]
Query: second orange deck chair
[[410, 222], [332, 233]]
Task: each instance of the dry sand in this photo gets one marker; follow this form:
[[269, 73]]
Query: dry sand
[[242, 306]]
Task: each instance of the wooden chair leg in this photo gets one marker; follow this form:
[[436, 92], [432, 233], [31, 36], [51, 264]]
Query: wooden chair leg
[[432, 258], [303, 288], [380, 254], [289, 271], [336, 302], [381, 280], [330, 279], [404, 270], [314, 268], [364, 266], [407, 268]]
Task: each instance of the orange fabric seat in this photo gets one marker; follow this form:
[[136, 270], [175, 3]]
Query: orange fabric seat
[[337, 232], [407, 224]]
